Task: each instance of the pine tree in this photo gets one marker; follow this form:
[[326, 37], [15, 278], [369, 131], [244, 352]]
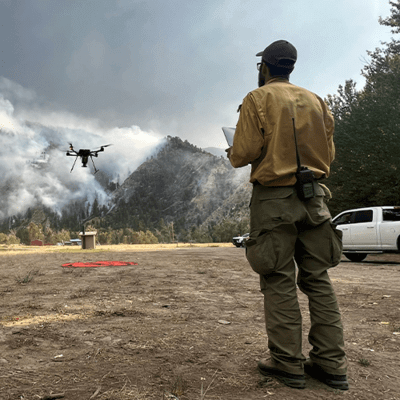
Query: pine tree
[[367, 133]]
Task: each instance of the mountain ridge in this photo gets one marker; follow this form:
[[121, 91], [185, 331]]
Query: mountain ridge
[[181, 183]]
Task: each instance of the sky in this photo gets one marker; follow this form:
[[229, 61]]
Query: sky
[[177, 67], [131, 72]]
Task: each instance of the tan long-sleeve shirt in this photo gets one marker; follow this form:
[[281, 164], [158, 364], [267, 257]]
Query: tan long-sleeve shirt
[[266, 120]]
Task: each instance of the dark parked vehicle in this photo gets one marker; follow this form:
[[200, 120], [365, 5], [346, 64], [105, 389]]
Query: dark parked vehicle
[[239, 241]]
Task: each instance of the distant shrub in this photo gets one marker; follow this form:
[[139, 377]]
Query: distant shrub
[[9, 239]]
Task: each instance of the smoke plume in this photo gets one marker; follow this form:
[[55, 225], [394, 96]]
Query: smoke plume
[[34, 138]]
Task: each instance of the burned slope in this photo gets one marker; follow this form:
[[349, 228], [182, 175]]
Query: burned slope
[[181, 184], [236, 206]]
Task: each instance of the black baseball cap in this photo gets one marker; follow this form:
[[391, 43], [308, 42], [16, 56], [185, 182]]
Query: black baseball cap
[[280, 54]]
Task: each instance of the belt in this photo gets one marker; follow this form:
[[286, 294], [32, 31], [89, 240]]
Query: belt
[[256, 183]]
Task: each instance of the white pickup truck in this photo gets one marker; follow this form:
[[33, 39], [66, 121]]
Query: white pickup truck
[[371, 230]]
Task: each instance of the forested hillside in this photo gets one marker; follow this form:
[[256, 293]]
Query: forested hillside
[[181, 185], [181, 193]]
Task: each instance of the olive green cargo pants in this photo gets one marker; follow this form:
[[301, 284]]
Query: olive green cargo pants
[[284, 229]]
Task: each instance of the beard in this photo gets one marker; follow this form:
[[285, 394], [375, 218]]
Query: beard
[[261, 79]]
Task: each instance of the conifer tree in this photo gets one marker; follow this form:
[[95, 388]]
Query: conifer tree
[[367, 132]]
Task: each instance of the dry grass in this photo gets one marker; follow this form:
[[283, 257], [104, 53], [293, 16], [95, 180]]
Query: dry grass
[[23, 279], [23, 249]]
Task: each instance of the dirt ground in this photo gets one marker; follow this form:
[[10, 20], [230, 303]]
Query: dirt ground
[[185, 323]]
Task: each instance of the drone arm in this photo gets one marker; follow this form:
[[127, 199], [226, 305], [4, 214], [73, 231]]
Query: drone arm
[[95, 153]]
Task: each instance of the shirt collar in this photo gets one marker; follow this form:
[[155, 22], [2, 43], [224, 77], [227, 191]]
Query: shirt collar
[[277, 79]]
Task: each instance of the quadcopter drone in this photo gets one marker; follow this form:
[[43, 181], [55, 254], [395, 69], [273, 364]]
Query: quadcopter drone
[[84, 154]]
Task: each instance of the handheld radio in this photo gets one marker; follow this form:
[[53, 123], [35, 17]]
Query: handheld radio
[[304, 176]]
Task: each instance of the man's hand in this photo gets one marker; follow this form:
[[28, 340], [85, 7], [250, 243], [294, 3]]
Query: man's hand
[[228, 152]]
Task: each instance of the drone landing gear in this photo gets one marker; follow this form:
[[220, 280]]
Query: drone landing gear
[[84, 164], [73, 165], [95, 169]]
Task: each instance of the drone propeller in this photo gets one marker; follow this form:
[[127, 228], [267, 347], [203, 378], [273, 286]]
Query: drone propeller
[[102, 148], [106, 145]]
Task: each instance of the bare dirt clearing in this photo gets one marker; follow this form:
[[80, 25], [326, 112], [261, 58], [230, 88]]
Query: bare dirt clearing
[[185, 323]]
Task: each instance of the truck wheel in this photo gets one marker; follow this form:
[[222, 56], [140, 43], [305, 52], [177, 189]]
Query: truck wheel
[[355, 257]]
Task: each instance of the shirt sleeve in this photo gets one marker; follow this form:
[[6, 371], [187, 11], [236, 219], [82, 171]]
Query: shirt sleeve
[[248, 140]]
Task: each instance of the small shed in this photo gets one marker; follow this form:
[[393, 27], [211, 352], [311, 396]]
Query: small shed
[[88, 240]]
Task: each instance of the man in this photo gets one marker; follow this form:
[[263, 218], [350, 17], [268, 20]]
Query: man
[[281, 125]]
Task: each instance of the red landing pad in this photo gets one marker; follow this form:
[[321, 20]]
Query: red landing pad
[[94, 264]]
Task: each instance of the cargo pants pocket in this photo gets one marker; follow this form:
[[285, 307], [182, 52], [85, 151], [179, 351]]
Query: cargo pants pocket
[[260, 252], [336, 246]]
